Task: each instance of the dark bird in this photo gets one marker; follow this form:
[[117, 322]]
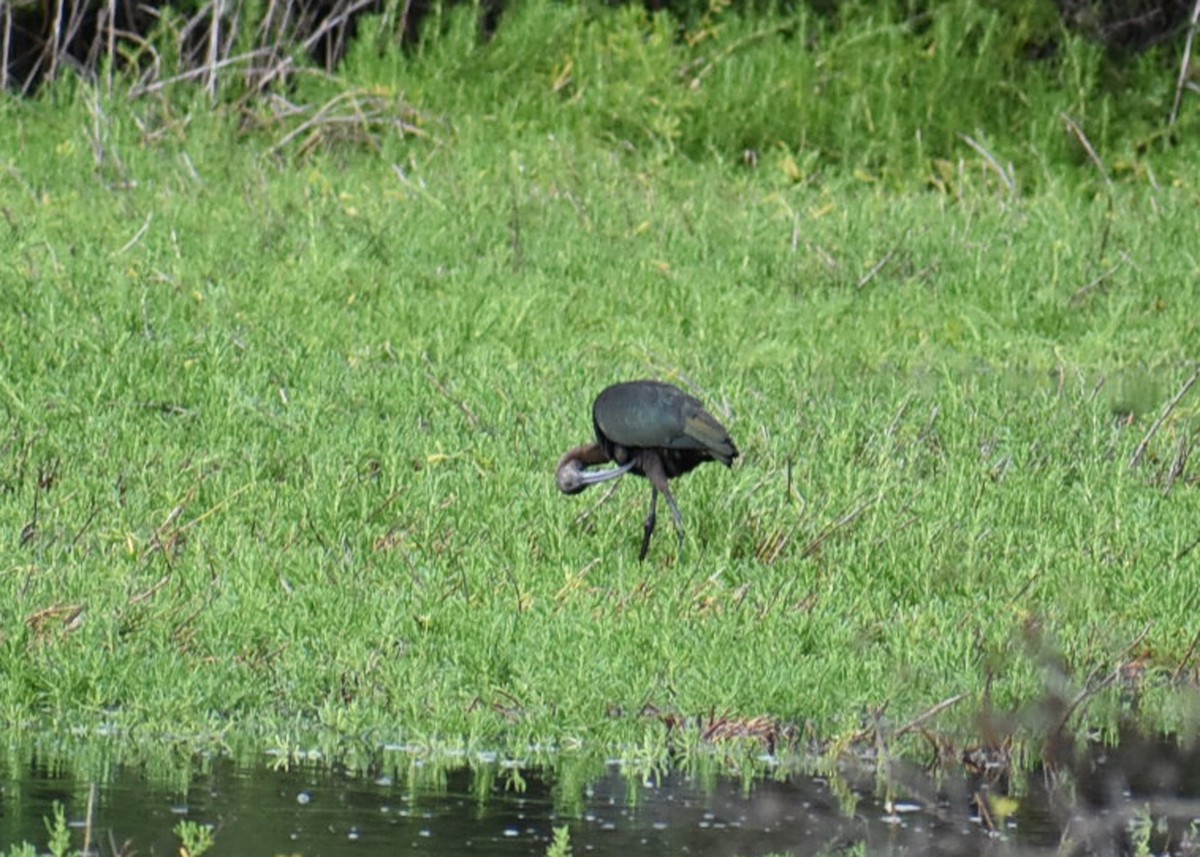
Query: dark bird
[[650, 429]]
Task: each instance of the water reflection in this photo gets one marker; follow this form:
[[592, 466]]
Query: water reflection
[[489, 809], [314, 812]]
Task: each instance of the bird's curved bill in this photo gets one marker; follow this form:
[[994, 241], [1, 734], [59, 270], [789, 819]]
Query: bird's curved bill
[[573, 478], [595, 477]]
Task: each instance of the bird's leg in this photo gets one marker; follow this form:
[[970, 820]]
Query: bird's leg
[[675, 516], [649, 527], [652, 466]]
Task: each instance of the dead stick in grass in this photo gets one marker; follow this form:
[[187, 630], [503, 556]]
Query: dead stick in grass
[[1187, 656], [90, 822], [1074, 128], [1136, 458], [1086, 289], [877, 267], [931, 712], [587, 513], [1006, 176], [214, 52], [1088, 691], [873, 730], [844, 521], [216, 507], [151, 592], [1182, 450], [1187, 550], [441, 388], [201, 71], [1080, 698], [985, 815], [1186, 64], [343, 19], [6, 45]]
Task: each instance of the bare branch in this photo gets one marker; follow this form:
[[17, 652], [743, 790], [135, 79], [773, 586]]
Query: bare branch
[[1136, 458], [1186, 64], [1074, 128]]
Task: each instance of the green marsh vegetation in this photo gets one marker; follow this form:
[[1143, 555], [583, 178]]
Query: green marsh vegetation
[[284, 377]]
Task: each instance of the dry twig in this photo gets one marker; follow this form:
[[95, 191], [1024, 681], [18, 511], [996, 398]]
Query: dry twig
[[1136, 458], [1185, 66]]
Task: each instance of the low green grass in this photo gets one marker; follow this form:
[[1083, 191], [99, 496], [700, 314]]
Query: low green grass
[[279, 432]]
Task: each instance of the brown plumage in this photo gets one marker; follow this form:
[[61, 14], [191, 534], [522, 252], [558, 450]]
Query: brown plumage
[[650, 429]]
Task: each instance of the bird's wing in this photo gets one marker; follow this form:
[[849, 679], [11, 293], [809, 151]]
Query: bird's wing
[[650, 414], [702, 431]]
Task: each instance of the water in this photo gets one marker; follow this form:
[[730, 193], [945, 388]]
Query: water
[[491, 809], [485, 811]]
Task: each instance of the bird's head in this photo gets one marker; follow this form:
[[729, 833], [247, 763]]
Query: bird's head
[[571, 477]]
